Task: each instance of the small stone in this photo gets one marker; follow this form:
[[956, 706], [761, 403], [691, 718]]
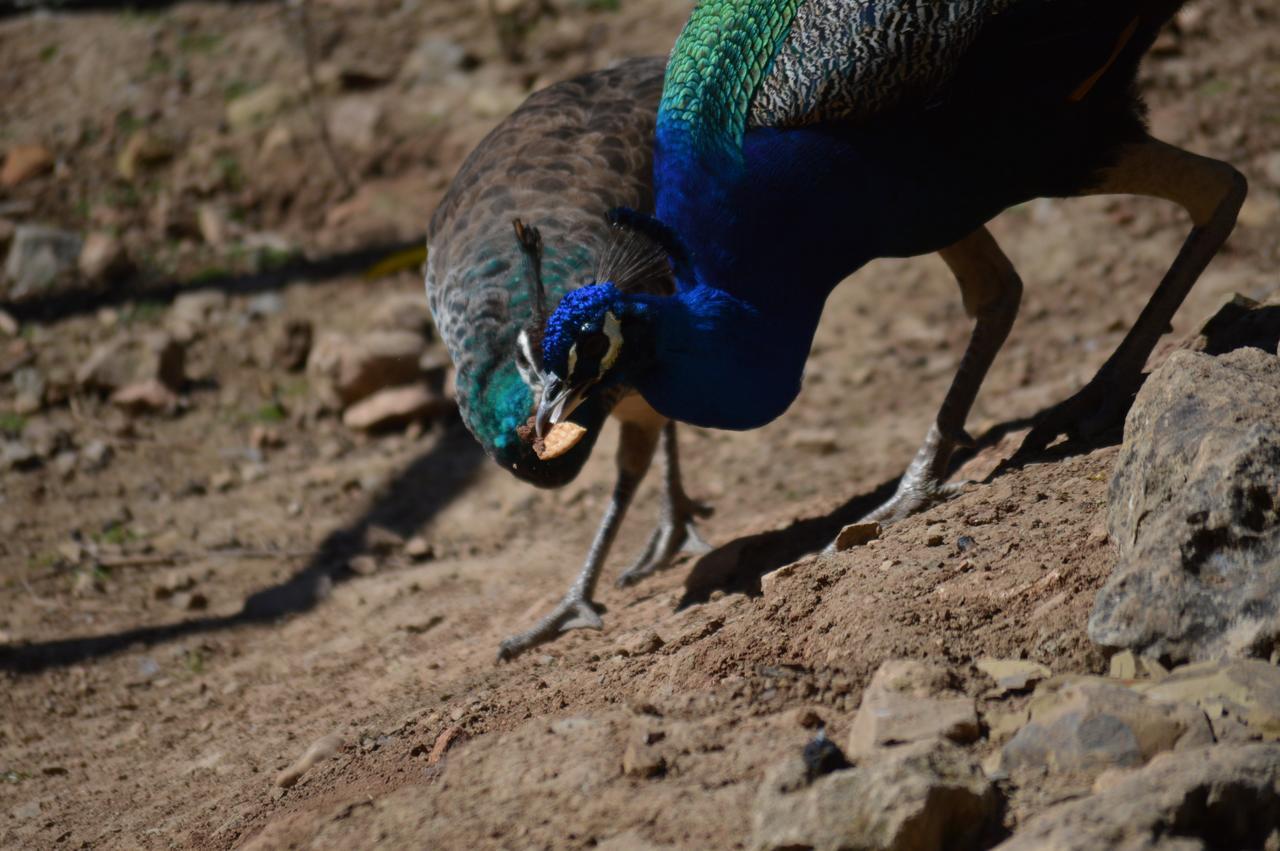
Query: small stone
[[320, 750], [395, 407], [1013, 675], [856, 535], [363, 565], [145, 397], [198, 309], [103, 258], [211, 220], [172, 582], [23, 162], [264, 304], [16, 455], [38, 257], [8, 325], [154, 357], [96, 455], [380, 539], [433, 61], [911, 701], [345, 370], [222, 481], [934, 540], [145, 149], [640, 643], [258, 106], [404, 312], [418, 548], [356, 121], [191, 601]]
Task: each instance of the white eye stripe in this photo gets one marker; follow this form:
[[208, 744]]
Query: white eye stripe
[[612, 330], [573, 359]]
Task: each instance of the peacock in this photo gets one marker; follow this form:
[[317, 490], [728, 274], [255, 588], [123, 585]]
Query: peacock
[[554, 169], [798, 140]]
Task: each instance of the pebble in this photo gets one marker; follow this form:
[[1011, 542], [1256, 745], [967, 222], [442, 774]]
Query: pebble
[[320, 750], [145, 397], [38, 257], [103, 258], [857, 535], [393, 407], [23, 162], [418, 548], [8, 325]]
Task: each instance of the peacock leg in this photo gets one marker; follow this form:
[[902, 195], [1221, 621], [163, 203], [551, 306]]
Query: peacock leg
[[991, 290], [577, 610], [676, 531], [1212, 193]]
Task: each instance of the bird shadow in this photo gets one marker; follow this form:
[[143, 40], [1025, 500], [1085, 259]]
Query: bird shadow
[[737, 566], [421, 490]]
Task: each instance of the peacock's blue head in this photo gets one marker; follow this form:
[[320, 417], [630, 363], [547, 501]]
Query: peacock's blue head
[[585, 348]]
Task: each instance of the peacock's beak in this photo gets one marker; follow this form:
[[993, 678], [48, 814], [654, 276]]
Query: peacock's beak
[[558, 401]]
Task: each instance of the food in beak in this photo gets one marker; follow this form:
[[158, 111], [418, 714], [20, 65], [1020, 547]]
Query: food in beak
[[562, 437]]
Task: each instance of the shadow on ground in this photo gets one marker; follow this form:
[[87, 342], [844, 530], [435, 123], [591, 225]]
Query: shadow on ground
[[432, 481]]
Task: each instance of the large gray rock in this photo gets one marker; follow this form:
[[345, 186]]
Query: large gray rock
[[1086, 725], [1195, 512], [1216, 797], [920, 797]]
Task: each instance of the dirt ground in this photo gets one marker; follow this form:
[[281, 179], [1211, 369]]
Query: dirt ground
[[185, 612]]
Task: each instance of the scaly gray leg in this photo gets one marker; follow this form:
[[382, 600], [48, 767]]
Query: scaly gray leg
[[1212, 192], [577, 610], [676, 532], [992, 291]]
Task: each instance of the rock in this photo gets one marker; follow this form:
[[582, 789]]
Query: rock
[[145, 397], [131, 360], [292, 345], [640, 643], [418, 548], [23, 162], [642, 758], [145, 149], [433, 61], [1219, 797], [1012, 675], [919, 797], [29, 388], [103, 258], [1247, 690], [355, 122], [1085, 725], [190, 601], [1125, 665], [192, 312], [212, 222], [319, 751], [405, 312], [16, 455], [96, 455], [856, 535], [911, 701], [8, 325], [395, 407], [344, 371], [258, 106], [1195, 512], [38, 257]]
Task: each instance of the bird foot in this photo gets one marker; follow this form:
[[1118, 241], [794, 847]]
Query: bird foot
[[573, 612], [1098, 408], [676, 533]]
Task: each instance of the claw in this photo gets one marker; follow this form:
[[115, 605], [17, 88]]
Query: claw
[[573, 612]]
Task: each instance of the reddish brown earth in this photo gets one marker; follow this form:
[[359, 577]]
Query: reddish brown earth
[[128, 721]]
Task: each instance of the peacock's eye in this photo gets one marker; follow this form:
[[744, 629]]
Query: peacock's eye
[[594, 346]]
